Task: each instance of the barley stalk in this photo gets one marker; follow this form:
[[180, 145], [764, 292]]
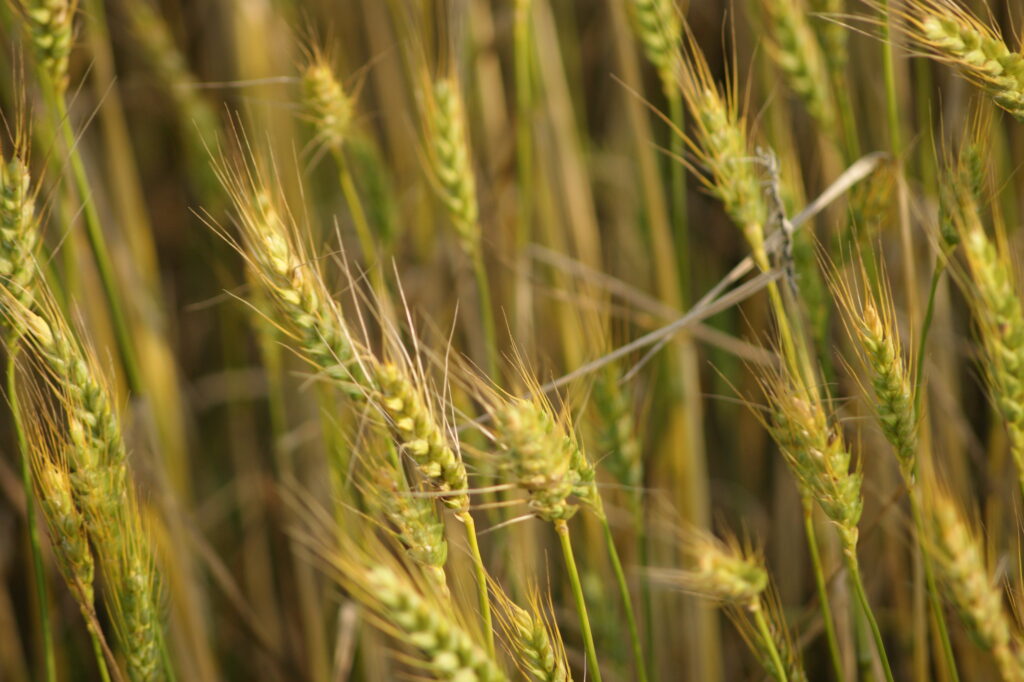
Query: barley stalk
[[543, 458], [546, 460], [331, 110], [617, 440], [770, 640], [317, 324], [818, 458], [718, 570]]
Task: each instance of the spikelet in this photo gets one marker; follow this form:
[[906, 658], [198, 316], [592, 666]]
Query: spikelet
[[534, 638], [951, 34], [721, 145], [50, 26], [800, 58], [325, 101], [958, 558], [421, 435], [414, 518], [657, 25], [541, 452], [451, 162], [315, 321], [814, 450], [67, 527]]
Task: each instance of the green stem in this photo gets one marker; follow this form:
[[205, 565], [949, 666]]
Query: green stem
[[562, 528], [101, 659], [644, 551], [35, 548], [627, 601], [362, 225], [98, 244], [769, 643], [889, 74], [677, 188], [853, 566], [822, 586], [925, 327], [481, 580], [483, 288]]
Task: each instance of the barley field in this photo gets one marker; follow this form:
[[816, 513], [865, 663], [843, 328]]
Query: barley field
[[485, 340]]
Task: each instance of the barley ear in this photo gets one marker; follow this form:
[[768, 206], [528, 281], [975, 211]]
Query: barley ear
[[413, 517], [66, 528], [720, 570], [870, 318], [799, 57], [958, 557], [659, 28], [722, 148], [538, 455], [992, 294], [448, 149], [408, 609], [951, 34], [536, 643], [19, 231], [813, 448], [49, 25], [325, 101]]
